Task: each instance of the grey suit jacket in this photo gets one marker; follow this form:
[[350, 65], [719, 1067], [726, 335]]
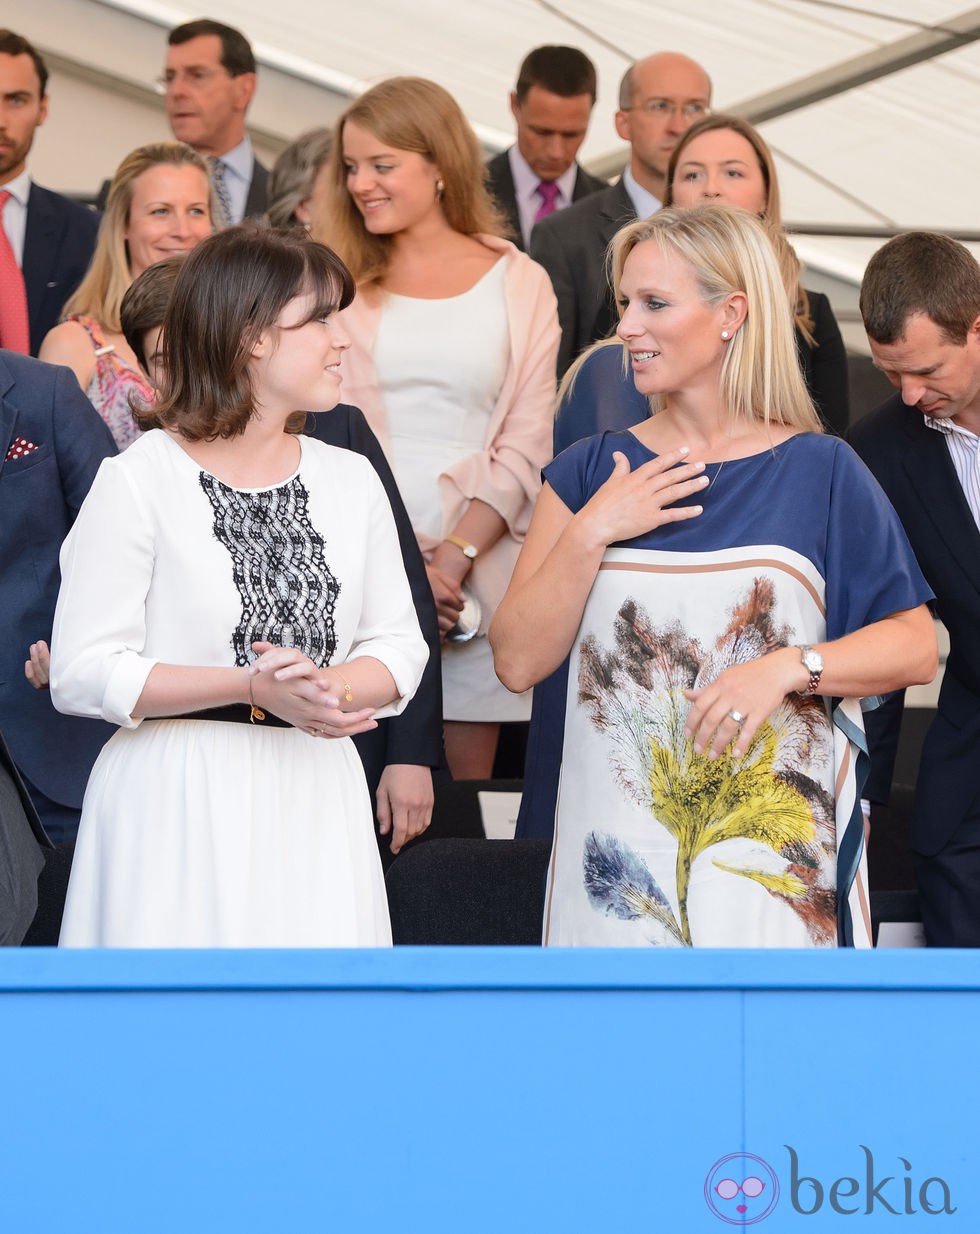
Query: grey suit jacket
[[571, 245], [500, 181]]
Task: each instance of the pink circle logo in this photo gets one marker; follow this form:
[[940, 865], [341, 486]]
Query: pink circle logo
[[741, 1189]]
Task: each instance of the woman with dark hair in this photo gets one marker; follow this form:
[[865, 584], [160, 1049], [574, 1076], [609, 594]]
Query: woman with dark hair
[[233, 598]]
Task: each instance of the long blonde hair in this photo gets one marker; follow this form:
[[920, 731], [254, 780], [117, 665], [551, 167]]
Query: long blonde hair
[[730, 250], [407, 113], [790, 266], [101, 291]]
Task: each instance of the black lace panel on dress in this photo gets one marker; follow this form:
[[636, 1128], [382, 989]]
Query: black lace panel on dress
[[287, 590]]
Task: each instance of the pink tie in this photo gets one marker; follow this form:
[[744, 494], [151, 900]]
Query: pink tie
[[15, 332], [548, 191]]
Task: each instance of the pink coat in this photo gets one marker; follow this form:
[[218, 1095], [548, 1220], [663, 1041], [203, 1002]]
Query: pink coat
[[506, 473]]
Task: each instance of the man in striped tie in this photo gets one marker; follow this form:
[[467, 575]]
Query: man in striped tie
[[210, 80], [920, 300]]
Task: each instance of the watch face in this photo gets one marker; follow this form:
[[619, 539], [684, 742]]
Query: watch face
[[813, 660]]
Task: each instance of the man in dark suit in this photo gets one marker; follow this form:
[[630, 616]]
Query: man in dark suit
[[920, 301], [551, 105], [52, 442], [50, 238], [659, 99], [210, 80]]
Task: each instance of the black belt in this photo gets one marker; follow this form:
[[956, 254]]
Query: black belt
[[234, 713]]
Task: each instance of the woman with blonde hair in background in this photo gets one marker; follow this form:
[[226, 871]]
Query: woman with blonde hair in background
[[454, 337], [721, 158], [159, 204], [699, 572]]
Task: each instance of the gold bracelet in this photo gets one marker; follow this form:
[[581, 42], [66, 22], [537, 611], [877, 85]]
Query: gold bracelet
[[348, 696], [255, 713]]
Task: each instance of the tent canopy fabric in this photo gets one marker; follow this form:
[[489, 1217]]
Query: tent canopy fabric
[[872, 108]]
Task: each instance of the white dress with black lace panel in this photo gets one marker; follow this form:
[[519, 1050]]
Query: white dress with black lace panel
[[205, 833]]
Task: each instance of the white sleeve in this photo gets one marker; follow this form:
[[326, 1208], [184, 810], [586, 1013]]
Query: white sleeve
[[97, 665], [388, 628]]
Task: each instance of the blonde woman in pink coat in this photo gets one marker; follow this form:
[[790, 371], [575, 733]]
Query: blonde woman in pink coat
[[454, 340]]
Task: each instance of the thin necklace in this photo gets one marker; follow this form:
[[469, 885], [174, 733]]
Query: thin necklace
[[711, 484]]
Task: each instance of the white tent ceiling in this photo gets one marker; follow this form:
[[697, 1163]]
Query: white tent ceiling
[[859, 141]]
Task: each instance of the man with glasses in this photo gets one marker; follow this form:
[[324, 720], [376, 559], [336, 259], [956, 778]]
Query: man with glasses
[[209, 81], [659, 99]]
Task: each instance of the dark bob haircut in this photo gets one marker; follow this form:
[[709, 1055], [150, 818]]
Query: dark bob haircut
[[144, 305], [230, 290]]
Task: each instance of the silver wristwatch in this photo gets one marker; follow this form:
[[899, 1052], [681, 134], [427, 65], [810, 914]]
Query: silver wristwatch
[[813, 663]]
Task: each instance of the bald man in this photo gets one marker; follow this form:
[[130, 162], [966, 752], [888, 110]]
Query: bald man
[[659, 99]]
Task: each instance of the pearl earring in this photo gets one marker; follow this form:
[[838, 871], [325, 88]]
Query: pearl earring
[[724, 335], [440, 187]]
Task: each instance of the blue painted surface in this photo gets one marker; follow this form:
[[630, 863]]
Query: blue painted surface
[[481, 1089]]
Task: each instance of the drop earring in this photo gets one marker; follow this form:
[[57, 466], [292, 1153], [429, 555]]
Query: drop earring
[[440, 187]]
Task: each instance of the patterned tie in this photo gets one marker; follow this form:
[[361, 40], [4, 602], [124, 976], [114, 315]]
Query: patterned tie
[[15, 333], [222, 201], [548, 191]]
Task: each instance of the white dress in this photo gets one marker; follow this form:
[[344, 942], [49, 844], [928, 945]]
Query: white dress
[[441, 364], [197, 833]]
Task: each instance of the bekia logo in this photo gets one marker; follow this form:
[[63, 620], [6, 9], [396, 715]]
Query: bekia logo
[[742, 1189]]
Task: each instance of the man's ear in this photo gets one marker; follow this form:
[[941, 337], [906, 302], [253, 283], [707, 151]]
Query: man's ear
[[515, 107], [245, 90]]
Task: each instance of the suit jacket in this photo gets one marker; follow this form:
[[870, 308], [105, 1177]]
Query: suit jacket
[[912, 464], [40, 495], [571, 245], [23, 845], [258, 192], [500, 181], [58, 245], [414, 736]]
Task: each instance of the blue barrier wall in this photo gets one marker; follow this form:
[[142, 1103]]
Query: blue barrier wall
[[472, 1090]]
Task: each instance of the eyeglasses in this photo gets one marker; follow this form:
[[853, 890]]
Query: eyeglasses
[[663, 108], [192, 76], [750, 1187]]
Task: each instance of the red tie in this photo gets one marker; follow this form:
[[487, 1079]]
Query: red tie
[[548, 191], [15, 332]]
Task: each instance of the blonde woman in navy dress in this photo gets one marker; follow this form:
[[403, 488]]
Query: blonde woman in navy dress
[[729, 582]]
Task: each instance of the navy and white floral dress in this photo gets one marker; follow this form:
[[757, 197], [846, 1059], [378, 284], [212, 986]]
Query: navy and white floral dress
[[656, 845]]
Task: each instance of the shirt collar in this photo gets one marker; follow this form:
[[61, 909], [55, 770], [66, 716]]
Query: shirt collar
[[526, 182], [644, 202], [240, 160], [949, 427], [19, 188]]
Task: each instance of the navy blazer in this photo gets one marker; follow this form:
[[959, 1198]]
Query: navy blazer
[[40, 495], [912, 464], [58, 247], [500, 181], [415, 736]]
